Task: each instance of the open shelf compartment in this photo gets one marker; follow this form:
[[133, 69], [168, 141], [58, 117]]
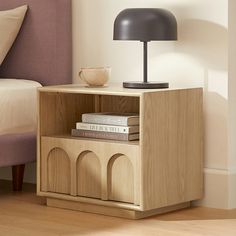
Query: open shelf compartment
[[59, 112]]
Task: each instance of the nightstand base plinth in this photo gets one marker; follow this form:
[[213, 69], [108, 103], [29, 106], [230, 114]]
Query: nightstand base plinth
[[112, 211]]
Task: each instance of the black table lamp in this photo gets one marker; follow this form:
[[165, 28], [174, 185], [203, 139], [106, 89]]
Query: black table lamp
[[145, 24]]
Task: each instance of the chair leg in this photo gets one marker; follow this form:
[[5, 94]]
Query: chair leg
[[17, 177]]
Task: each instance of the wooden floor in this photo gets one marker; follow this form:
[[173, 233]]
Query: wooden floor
[[25, 214]]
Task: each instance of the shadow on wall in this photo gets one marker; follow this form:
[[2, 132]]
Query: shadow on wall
[[208, 43], [216, 135], [201, 46], [204, 41]]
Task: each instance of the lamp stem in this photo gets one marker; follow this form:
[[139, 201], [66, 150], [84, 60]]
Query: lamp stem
[[145, 66]]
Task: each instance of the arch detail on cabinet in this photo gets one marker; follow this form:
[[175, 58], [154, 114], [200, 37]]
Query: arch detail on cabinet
[[89, 180], [58, 171], [120, 179]]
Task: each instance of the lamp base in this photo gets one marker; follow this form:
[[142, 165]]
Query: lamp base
[[145, 85]]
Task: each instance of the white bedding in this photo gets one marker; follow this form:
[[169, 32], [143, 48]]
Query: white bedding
[[18, 105]]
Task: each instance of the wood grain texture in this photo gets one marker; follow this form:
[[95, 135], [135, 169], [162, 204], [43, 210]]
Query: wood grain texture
[[58, 171], [163, 169], [94, 201], [171, 147], [97, 103], [115, 89], [92, 178], [110, 211], [59, 112], [32, 217], [119, 104], [89, 179], [120, 179]]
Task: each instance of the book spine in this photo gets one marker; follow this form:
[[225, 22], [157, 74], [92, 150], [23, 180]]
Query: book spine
[[103, 128], [105, 120], [100, 135]]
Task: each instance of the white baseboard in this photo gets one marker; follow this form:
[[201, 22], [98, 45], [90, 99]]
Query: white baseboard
[[232, 189], [219, 189]]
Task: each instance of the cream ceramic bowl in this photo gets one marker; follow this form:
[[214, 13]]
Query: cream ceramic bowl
[[95, 76]]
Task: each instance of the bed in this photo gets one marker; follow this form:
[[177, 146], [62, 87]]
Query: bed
[[42, 53]]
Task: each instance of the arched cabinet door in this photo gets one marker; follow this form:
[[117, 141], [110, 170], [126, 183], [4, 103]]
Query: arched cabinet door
[[58, 171], [109, 172], [88, 169], [120, 179]]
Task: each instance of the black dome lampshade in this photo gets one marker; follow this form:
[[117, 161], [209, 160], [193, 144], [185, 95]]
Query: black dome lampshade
[[145, 25]]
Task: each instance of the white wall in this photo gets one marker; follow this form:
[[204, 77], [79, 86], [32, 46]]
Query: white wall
[[198, 58]]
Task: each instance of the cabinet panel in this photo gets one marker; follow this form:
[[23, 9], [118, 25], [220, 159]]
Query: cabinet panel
[[172, 144], [58, 171], [88, 175], [120, 179], [119, 104], [91, 168]]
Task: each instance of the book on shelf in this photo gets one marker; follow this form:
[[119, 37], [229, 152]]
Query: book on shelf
[[104, 135], [108, 128], [108, 118]]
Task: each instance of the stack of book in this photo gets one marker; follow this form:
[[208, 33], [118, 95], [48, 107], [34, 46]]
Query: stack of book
[[113, 126]]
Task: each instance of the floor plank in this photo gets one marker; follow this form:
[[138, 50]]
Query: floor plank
[[26, 214]]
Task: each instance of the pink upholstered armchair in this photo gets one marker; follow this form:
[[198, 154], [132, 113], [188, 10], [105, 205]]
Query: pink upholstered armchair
[[42, 52]]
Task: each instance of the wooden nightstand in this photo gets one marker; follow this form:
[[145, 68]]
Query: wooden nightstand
[[161, 172]]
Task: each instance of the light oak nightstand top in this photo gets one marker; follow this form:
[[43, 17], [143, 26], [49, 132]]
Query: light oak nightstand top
[[111, 89]]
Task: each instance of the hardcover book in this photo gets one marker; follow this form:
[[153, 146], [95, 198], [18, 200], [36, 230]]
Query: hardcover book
[[108, 128], [104, 135], [119, 119]]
